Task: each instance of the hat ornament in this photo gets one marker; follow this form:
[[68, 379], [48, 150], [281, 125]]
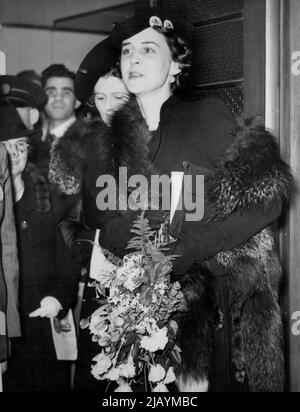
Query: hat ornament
[[155, 21], [168, 25]]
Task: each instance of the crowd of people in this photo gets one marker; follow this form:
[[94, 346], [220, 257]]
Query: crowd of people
[[61, 131]]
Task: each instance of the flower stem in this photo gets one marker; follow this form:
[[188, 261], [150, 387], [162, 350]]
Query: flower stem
[[152, 358], [145, 377]]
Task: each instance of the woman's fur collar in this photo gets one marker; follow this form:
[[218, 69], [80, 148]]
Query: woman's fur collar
[[250, 173], [68, 155], [123, 144]]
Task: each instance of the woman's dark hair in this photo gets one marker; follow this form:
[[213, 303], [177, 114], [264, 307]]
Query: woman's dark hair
[[181, 52], [114, 71]]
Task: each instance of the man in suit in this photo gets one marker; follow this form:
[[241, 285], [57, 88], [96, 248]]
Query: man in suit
[[59, 112]]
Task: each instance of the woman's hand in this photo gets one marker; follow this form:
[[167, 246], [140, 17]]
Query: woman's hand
[[50, 307], [62, 325]]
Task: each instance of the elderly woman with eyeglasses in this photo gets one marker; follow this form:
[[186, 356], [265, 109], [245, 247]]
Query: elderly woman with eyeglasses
[[47, 287]]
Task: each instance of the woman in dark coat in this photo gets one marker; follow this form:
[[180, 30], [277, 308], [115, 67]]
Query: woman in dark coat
[[48, 283], [246, 186]]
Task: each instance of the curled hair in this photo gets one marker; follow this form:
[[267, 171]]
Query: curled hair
[[114, 71], [57, 70], [181, 53]]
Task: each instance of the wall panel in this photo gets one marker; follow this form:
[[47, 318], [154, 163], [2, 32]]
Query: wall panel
[[36, 49]]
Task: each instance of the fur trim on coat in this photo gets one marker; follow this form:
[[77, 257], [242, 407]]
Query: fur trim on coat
[[71, 151], [123, 144], [252, 175]]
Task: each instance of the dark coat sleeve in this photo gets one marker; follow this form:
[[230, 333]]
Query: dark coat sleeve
[[67, 269], [245, 194], [199, 241], [115, 228], [77, 236], [67, 277]]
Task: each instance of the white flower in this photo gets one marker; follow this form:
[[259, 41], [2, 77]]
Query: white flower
[[127, 370], [105, 271], [157, 373], [154, 298], [104, 340], [117, 321], [124, 387], [157, 340], [102, 365], [113, 374], [131, 272], [160, 387], [146, 325], [170, 376], [97, 325]]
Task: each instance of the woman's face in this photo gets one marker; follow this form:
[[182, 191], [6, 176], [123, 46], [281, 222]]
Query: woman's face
[[18, 154], [109, 94], [146, 62]]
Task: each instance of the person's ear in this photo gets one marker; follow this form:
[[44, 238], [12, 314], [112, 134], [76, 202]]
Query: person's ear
[[77, 104], [175, 69], [34, 116]]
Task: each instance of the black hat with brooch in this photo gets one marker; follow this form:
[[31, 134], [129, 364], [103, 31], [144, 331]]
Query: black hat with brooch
[[11, 125], [152, 17], [106, 54], [21, 92]]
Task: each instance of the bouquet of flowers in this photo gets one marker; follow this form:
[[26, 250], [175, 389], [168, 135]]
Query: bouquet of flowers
[[134, 325]]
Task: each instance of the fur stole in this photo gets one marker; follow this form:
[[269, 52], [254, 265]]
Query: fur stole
[[123, 144], [250, 176]]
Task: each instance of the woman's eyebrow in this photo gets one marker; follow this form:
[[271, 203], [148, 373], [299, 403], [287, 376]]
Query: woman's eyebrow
[[144, 42], [151, 42]]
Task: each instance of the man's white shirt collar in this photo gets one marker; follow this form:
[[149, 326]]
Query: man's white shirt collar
[[60, 130]]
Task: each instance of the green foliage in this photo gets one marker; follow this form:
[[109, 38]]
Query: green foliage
[[143, 232]]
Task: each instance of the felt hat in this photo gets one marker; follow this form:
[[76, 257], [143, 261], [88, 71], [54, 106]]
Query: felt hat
[[152, 17], [11, 125], [21, 92], [96, 64]]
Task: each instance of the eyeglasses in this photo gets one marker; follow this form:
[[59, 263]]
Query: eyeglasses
[[22, 145], [52, 92]]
